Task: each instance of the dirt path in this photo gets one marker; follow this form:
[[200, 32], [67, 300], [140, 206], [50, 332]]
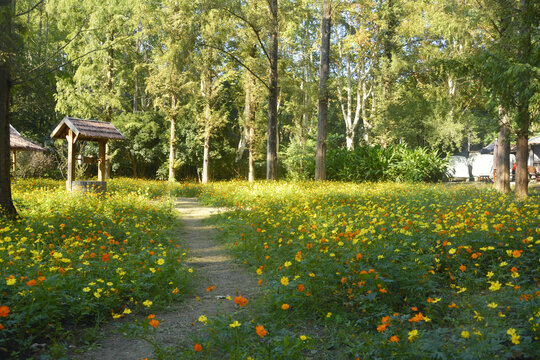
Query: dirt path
[[212, 266]]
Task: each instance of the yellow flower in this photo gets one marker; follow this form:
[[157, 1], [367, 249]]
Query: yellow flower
[[86, 289], [11, 281], [477, 316], [147, 303], [303, 337], [490, 274], [127, 311], [413, 334], [285, 280], [235, 324], [160, 261], [495, 285], [203, 319], [329, 315], [492, 305], [452, 251], [465, 334], [287, 263], [259, 271], [97, 294]]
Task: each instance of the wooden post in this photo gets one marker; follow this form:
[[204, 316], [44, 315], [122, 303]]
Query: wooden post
[[14, 161], [102, 164], [71, 160]]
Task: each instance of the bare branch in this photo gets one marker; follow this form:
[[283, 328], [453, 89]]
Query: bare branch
[[31, 9], [235, 58], [255, 30]]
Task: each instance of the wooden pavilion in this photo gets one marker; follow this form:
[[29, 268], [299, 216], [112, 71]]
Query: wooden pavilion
[[18, 143], [73, 130]]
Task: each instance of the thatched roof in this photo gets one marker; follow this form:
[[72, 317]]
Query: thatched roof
[[17, 142], [87, 130]]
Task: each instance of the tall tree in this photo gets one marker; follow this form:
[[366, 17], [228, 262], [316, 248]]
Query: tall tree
[[6, 53], [273, 89], [320, 157]]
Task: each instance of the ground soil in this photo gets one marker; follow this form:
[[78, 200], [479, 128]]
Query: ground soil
[[212, 266]]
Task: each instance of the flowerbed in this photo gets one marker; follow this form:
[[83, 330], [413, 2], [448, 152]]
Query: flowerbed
[[386, 270], [73, 261]]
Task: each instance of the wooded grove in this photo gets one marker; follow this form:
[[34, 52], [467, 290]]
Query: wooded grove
[[205, 89]]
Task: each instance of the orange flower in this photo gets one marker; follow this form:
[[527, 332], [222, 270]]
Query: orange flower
[[385, 320], [416, 318], [241, 301], [4, 311], [31, 282], [151, 316], [154, 323], [514, 269], [261, 331], [453, 305], [41, 278], [358, 256], [210, 288], [382, 327], [285, 306], [197, 347], [463, 268], [394, 339], [517, 253], [343, 280], [1, 327], [300, 287], [105, 257]]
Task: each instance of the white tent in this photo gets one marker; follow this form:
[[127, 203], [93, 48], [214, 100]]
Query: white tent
[[458, 167], [482, 165]]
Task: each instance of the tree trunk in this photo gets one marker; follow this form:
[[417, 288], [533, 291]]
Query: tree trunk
[[6, 202], [502, 160], [251, 158], [206, 155], [172, 140], [523, 115], [320, 156], [271, 149]]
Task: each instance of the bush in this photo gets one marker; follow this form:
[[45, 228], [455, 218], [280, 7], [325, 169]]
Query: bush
[[375, 163], [36, 165]]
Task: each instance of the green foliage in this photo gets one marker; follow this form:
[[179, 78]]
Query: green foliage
[[299, 159], [395, 163]]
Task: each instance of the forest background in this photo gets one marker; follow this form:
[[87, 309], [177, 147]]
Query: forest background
[[189, 82]]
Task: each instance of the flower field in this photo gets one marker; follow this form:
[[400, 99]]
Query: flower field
[[73, 261], [348, 271], [383, 271]]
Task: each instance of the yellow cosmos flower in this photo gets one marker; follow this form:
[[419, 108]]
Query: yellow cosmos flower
[[495, 285], [287, 263], [465, 334], [303, 337], [492, 305], [203, 319], [147, 303], [452, 251], [285, 281], [160, 261], [413, 334], [126, 311], [11, 281], [235, 324], [86, 289]]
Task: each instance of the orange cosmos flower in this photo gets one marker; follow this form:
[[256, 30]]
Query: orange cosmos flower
[[241, 301], [394, 339], [151, 316], [300, 287], [31, 282], [260, 330], [1, 327], [382, 327], [463, 268], [453, 305], [517, 253], [154, 323], [197, 347], [105, 257], [514, 269], [4, 311], [416, 318], [285, 306]]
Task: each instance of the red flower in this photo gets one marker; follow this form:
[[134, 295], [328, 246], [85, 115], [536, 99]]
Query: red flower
[[105, 257], [197, 347], [4, 311]]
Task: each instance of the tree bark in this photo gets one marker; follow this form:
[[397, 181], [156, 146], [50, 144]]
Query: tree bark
[[271, 149], [522, 173], [6, 47], [320, 156], [172, 146], [502, 160]]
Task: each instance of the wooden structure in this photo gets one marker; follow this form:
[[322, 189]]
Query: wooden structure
[[18, 143], [74, 130]]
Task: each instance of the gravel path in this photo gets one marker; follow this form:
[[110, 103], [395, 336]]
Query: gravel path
[[213, 267]]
